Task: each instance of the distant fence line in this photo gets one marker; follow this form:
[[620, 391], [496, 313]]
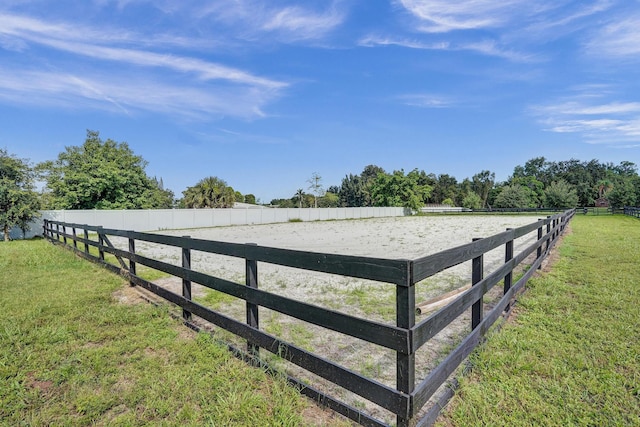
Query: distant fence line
[[405, 338], [175, 219], [631, 211]]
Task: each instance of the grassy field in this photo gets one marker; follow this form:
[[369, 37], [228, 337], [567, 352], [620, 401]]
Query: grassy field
[[571, 357], [70, 354]]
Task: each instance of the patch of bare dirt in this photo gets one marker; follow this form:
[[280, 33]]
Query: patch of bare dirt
[[128, 295], [42, 385]]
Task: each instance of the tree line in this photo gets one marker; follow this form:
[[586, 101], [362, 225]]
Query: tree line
[[536, 184], [105, 174]]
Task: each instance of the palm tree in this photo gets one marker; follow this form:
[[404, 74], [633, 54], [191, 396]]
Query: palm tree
[[300, 196], [210, 192], [604, 186]]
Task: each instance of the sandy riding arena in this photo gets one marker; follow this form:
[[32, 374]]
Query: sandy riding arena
[[397, 238]]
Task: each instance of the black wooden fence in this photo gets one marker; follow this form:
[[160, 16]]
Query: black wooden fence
[[404, 338], [631, 211]]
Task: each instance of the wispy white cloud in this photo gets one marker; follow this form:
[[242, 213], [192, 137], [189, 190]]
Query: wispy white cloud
[[70, 39], [262, 20], [509, 29], [560, 21], [619, 39], [593, 117], [123, 94], [303, 24], [373, 41], [437, 16], [167, 82], [484, 47], [424, 100]]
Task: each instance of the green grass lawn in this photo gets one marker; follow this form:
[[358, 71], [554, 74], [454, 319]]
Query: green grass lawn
[[70, 354], [571, 357]]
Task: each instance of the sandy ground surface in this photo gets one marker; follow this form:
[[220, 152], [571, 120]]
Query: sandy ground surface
[[396, 238]]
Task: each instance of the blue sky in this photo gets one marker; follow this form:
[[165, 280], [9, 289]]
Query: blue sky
[[264, 93]]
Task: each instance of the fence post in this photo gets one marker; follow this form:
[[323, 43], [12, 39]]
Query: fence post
[[101, 243], [477, 273], [64, 234], [539, 250], [75, 241], [132, 264], [508, 255], [58, 232], [405, 363], [186, 284], [251, 280], [44, 228], [548, 237], [86, 237]]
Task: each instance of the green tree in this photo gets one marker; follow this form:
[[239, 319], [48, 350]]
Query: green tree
[[560, 194], [445, 187], [250, 198], [19, 202], [472, 201], [355, 190], [158, 197], [482, 183], [329, 200], [398, 189], [352, 192], [210, 192], [514, 196], [533, 187], [623, 193], [282, 203], [100, 175]]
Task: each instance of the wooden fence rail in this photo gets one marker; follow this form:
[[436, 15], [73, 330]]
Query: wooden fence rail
[[631, 211], [404, 338]]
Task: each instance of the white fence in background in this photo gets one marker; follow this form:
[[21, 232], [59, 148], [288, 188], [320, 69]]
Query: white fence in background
[[175, 219]]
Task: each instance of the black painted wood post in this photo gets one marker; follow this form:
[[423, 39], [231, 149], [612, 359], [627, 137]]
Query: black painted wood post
[[101, 243], [132, 264], [477, 274], [64, 234], [186, 284], [251, 280], [508, 255], [539, 250], [58, 232], [548, 237], [405, 363], [44, 228], [86, 237], [75, 237]]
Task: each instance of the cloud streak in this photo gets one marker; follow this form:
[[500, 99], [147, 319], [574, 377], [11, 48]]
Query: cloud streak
[[610, 123], [173, 84], [440, 16], [619, 39], [425, 100], [483, 47], [259, 20], [121, 95]]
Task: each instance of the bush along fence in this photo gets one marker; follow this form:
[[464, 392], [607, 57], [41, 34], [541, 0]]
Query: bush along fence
[[409, 399], [632, 211]]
